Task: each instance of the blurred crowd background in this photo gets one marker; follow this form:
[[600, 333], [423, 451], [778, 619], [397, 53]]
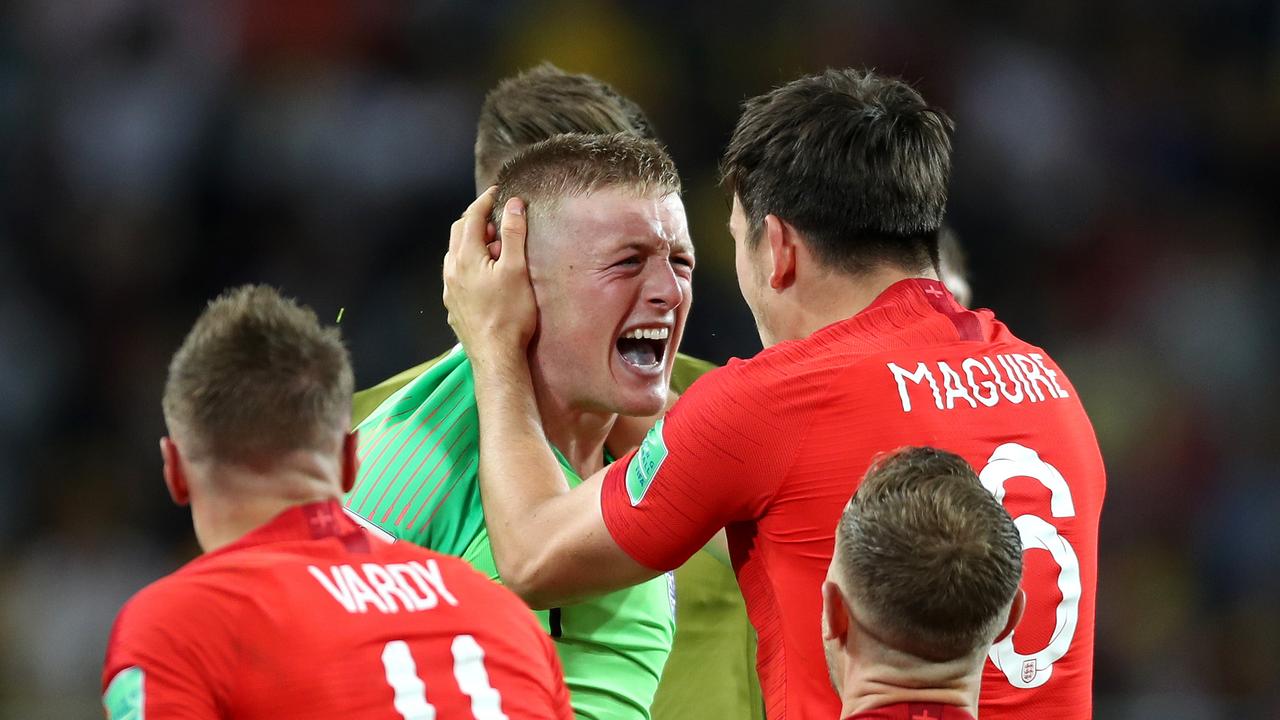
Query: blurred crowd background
[[1111, 184]]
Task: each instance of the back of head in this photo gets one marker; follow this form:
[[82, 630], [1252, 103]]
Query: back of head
[[574, 165], [856, 161], [929, 561], [255, 378], [544, 102]]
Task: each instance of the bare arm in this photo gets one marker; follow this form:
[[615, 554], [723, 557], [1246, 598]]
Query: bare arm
[[550, 543]]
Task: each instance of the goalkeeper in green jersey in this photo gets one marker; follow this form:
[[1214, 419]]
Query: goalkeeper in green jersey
[[612, 265], [610, 660]]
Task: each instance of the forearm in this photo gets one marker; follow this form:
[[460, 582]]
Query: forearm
[[519, 476]]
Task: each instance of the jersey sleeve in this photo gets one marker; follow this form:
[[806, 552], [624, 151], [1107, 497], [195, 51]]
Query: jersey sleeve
[[158, 665], [715, 459]]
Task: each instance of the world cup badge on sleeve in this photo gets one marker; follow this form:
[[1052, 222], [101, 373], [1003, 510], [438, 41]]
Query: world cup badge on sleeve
[[645, 463]]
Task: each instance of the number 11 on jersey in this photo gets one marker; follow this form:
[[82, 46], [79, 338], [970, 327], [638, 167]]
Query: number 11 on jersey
[[468, 670]]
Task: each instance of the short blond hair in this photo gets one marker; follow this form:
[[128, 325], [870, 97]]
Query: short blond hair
[[575, 165], [257, 376]]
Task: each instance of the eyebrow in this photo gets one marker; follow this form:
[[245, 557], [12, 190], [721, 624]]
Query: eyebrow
[[639, 246]]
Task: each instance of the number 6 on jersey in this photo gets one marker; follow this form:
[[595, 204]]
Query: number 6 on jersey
[[1013, 460]]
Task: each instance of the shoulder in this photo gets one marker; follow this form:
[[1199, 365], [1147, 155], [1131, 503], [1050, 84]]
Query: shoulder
[[366, 401], [176, 605], [438, 403], [419, 453], [393, 397], [180, 637], [776, 381]]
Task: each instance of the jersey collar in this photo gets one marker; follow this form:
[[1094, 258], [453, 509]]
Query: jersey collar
[[311, 521], [927, 289], [904, 299]]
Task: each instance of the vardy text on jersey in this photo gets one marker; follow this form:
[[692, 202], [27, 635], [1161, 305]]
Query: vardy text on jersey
[[411, 586]]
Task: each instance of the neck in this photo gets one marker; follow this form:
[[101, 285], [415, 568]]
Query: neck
[[233, 500], [578, 434], [831, 296], [894, 677]]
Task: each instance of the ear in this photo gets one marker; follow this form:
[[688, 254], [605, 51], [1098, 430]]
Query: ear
[[175, 477], [781, 237], [1015, 615], [350, 460], [835, 615]]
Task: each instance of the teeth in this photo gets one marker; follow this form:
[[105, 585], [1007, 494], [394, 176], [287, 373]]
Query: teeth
[[648, 334]]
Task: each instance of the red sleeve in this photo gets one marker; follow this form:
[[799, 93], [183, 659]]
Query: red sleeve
[[715, 459], [164, 668]]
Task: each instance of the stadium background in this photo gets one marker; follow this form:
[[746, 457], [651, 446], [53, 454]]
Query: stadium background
[[1111, 166]]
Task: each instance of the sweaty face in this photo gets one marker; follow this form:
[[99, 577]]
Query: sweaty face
[[749, 262], [612, 273]]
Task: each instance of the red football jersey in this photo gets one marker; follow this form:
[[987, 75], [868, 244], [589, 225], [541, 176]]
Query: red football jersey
[[310, 617], [913, 711], [772, 448]]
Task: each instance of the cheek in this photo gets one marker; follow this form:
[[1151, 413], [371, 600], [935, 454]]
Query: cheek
[[585, 317], [686, 294]]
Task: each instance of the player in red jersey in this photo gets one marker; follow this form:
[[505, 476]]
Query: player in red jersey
[[293, 610], [839, 183], [924, 578]]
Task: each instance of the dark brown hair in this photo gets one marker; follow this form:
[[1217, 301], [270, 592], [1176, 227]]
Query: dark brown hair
[[856, 161], [543, 102], [573, 165], [928, 555], [257, 376]]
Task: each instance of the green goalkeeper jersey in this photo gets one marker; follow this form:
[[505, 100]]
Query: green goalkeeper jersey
[[418, 481]]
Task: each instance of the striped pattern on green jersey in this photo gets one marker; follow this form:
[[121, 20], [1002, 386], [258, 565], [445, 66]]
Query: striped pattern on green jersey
[[417, 451]]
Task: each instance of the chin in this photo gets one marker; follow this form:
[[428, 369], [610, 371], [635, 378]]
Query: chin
[[642, 406]]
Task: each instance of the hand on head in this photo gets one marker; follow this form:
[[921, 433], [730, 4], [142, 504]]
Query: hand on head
[[486, 280]]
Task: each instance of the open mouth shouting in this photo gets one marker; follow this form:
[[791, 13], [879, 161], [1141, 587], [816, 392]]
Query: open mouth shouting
[[644, 348]]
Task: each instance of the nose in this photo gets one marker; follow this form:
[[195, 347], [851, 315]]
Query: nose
[[662, 287]]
